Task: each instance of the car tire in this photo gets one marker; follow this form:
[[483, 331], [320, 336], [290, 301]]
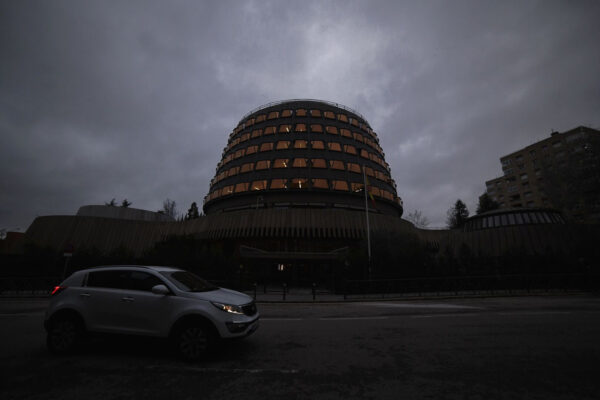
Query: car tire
[[193, 341], [64, 335]]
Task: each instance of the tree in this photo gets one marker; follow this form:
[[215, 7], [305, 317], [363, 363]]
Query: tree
[[170, 208], [192, 212], [457, 215], [486, 204], [111, 203], [417, 218], [125, 203]]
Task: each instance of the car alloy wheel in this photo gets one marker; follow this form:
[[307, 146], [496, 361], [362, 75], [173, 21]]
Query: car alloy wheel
[[63, 335], [193, 342]]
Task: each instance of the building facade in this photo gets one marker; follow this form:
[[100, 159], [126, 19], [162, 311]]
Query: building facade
[[561, 171]]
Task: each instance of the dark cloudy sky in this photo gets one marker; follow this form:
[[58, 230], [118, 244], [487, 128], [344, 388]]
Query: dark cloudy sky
[[135, 99]]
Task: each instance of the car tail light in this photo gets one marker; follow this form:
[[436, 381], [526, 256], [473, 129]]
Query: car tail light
[[57, 290]]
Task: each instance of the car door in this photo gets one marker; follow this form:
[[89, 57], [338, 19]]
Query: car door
[[104, 296]]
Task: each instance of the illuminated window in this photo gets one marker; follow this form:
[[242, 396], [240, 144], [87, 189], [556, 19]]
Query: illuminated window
[[281, 163], [266, 146], [250, 122], [301, 112], [317, 144], [358, 137], [331, 129], [263, 164], [329, 114], [300, 163], [241, 187], [227, 190], [375, 191], [364, 154], [283, 144], [233, 171], [334, 146], [315, 113], [342, 117], [261, 117], [269, 130], [357, 187], [221, 176], [228, 158], [256, 133], [259, 185], [285, 128], [339, 185], [300, 127], [318, 183], [247, 167], [349, 149], [379, 175], [352, 167], [318, 163], [235, 142], [273, 115], [387, 195], [217, 193], [369, 171], [346, 133], [316, 128], [278, 184], [245, 137], [286, 113], [301, 144], [251, 149], [238, 154], [299, 183], [336, 164], [354, 122], [372, 157]]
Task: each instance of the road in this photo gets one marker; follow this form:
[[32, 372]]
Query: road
[[497, 348]]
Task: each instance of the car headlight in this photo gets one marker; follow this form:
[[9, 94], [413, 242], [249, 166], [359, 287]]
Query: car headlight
[[230, 308]]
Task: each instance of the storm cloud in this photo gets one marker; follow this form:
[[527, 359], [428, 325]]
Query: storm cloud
[[135, 99]]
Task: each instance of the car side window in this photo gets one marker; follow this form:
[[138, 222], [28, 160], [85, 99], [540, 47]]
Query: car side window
[[143, 281], [108, 279]]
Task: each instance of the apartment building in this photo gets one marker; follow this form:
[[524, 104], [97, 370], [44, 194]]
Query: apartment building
[[561, 171]]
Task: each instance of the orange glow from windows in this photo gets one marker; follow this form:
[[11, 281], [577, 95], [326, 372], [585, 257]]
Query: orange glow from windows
[[369, 171], [283, 145], [364, 154], [300, 127], [334, 146], [301, 112], [251, 149], [331, 129], [233, 171], [358, 137], [346, 133], [266, 146], [318, 183], [329, 114], [317, 144], [263, 164], [239, 153], [318, 163], [300, 144], [273, 115], [247, 167], [342, 117], [336, 164], [315, 113], [357, 187], [250, 122], [352, 167], [227, 190], [285, 128], [299, 183], [281, 163], [340, 185], [245, 137], [256, 133], [316, 128], [286, 113], [300, 163], [261, 117], [278, 184], [269, 130], [241, 187], [349, 149], [259, 185]]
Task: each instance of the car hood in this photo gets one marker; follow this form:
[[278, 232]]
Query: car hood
[[226, 296]]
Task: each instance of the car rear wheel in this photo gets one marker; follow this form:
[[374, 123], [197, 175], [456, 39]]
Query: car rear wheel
[[193, 342], [64, 334]]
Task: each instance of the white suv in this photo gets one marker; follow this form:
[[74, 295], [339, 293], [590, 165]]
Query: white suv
[[151, 301]]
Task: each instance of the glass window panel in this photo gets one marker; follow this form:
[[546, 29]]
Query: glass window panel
[[318, 183], [278, 184], [256, 133], [301, 112], [233, 171], [299, 183], [259, 185], [251, 149], [525, 218], [334, 146], [534, 218], [266, 146], [375, 191], [336, 164], [283, 144], [286, 113], [545, 218], [285, 128], [364, 154], [281, 163], [245, 137], [342, 117], [387, 195], [490, 222], [263, 164], [269, 130], [346, 133], [300, 127], [235, 142], [357, 187], [511, 219], [496, 220], [317, 144], [261, 117], [358, 137], [503, 219], [331, 129], [273, 115], [241, 187], [329, 114], [316, 128], [369, 171], [227, 190], [247, 167], [300, 163], [318, 163], [339, 185], [315, 113], [352, 167], [484, 222], [354, 122], [301, 144], [238, 154]]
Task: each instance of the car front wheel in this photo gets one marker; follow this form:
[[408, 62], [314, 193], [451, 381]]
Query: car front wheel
[[64, 334], [193, 342]]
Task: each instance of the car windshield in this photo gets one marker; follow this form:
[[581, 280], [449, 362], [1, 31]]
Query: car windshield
[[188, 282]]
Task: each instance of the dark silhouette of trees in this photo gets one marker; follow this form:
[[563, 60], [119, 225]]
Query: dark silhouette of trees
[[125, 203], [111, 203], [457, 215], [418, 219], [169, 208], [486, 204], [192, 212]]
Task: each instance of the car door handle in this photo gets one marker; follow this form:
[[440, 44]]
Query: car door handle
[[84, 295], [130, 299]]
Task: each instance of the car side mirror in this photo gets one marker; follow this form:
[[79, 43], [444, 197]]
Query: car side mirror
[[160, 289]]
